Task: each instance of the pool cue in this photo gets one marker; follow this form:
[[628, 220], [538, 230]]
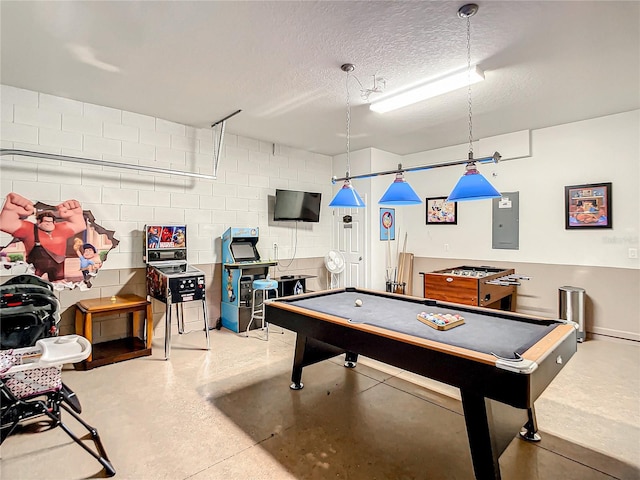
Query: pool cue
[[397, 247], [401, 260], [400, 271], [397, 289]]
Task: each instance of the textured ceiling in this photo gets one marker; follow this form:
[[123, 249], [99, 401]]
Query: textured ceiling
[[546, 63]]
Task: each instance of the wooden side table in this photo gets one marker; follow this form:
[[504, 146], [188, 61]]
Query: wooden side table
[[114, 351]]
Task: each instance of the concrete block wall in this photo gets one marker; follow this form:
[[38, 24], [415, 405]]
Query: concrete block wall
[[125, 200]]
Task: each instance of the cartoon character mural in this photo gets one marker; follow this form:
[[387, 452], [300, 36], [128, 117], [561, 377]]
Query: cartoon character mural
[[89, 264], [61, 243]]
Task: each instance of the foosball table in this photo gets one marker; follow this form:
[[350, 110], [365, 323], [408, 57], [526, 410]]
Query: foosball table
[[489, 287]]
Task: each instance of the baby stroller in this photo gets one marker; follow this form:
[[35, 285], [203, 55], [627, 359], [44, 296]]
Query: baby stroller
[[31, 359]]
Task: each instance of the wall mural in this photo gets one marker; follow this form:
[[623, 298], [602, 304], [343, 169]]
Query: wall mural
[[61, 243]]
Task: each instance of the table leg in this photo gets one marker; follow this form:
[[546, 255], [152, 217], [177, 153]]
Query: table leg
[[79, 322], [298, 363], [206, 321], [149, 325], [167, 331], [351, 360], [530, 430], [80, 327], [309, 351], [507, 304], [135, 323], [88, 332], [180, 317], [491, 426]]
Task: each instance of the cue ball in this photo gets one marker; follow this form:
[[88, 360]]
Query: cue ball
[[358, 303]]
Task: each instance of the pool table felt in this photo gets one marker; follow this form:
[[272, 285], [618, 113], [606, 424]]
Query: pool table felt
[[481, 332]]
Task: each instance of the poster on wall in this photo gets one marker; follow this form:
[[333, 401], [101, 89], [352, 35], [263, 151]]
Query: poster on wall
[[387, 224], [59, 243]]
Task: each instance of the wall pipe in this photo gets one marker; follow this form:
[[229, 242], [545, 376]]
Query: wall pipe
[[102, 163], [128, 166]]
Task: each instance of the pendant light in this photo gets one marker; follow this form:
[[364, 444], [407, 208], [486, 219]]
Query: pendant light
[[347, 197], [400, 192], [472, 185]]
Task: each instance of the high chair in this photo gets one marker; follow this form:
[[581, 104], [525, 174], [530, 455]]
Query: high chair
[[31, 387]]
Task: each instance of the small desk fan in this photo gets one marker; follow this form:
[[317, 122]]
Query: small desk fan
[[334, 261]]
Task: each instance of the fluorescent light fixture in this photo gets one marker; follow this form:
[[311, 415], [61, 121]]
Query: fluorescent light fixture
[[430, 89]]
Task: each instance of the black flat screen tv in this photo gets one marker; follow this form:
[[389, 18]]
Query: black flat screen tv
[[294, 206]]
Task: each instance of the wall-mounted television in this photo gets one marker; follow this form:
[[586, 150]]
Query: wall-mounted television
[[295, 206]]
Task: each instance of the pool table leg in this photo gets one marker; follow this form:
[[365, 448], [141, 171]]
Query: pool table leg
[[351, 360], [530, 430], [491, 426], [310, 350], [298, 363]]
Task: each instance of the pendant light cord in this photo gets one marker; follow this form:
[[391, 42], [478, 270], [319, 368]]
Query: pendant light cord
[[469, 86], [348, 123]]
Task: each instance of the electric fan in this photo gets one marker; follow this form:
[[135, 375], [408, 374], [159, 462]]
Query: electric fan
[[334, 261]]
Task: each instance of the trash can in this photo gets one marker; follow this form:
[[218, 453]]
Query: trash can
[[571, 307]]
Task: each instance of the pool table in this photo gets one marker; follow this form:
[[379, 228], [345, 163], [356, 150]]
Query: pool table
[[501, 361]]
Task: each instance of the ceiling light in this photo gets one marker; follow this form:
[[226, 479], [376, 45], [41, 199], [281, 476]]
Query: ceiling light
[[430, 89], [472, 185], [400, 192], [347, 197]]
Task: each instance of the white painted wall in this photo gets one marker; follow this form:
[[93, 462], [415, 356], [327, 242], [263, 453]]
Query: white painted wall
[[605, 149], [125, 200]]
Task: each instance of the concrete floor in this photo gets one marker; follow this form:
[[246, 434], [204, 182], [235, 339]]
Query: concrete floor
[[229, 414]]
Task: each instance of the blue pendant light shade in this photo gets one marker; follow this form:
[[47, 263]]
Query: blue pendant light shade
[[347, 197], [472, 186], [400, 193]]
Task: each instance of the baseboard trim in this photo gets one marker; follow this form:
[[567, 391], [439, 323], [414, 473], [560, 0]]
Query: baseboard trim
[[608, 332]]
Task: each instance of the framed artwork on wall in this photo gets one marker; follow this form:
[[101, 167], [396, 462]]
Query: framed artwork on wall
[[588, 206], [441, 212], [387, 224]]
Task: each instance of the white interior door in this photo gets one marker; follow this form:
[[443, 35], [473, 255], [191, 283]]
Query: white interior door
[[349, 228]]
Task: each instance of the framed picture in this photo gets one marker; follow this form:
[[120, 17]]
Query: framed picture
[[387, 224], [441, 212], [588, 206]]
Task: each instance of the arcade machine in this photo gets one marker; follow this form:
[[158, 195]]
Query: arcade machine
[[241, 265], [170, 278]]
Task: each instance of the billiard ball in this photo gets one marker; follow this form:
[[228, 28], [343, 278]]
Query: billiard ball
[[358, 303]]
